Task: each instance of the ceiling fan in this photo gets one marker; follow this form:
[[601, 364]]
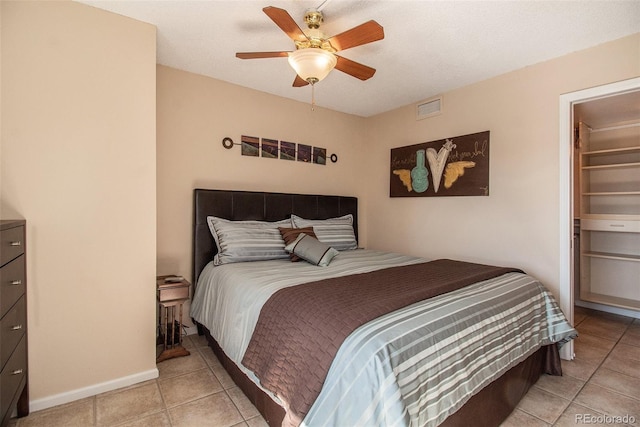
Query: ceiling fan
[[315, 54]]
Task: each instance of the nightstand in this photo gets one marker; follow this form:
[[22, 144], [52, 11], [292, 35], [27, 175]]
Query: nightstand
[[171, 296]]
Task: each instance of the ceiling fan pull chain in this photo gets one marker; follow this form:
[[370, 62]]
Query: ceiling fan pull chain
[[313, 97]]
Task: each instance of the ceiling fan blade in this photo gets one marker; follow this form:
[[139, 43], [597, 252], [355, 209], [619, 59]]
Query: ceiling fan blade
[[298, 82], [365, 33], [257, 55], [354, 68], [286, 23]]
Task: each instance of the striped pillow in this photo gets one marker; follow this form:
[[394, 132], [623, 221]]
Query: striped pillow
[[291, 234], [311, 250], [240, 241], [335, 232]]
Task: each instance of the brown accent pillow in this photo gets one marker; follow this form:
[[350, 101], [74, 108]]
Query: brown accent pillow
[[289, 235]]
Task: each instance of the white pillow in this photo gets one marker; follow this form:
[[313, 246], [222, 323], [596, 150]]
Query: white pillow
[[240, 241], [335, 232]]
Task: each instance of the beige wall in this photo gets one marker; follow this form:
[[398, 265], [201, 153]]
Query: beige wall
[[518, 224], [195, 113], [79, 148], [78, 162]]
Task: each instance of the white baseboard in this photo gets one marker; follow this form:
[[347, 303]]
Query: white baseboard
[[92, 390]]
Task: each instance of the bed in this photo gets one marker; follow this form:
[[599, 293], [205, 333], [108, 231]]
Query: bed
[[236, 306]]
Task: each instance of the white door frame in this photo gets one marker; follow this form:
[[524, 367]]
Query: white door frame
[[567, 102]]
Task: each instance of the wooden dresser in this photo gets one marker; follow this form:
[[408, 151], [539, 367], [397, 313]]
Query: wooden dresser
[[14, 382]]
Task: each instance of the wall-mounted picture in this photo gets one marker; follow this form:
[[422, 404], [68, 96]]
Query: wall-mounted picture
[[457, 166], [304, 153], [270, 148], [320, 155], [274, 149], [250, 146], [287, 150]]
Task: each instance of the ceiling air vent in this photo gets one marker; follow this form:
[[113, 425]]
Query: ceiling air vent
[[429, 108]]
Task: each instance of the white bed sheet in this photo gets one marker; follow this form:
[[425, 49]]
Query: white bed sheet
[[368, 359], [231, 316]]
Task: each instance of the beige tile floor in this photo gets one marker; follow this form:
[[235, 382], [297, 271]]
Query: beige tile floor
[[604, 379], [191, 391]]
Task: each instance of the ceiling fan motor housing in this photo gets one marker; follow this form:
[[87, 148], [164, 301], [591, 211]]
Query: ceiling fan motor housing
[[313, 19]]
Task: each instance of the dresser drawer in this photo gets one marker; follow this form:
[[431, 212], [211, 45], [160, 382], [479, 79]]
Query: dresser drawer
[[13, 375], [12, 283], [11, 244], [619, 225], [12, 328]]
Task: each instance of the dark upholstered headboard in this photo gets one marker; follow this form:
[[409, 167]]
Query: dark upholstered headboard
[[254, 205]]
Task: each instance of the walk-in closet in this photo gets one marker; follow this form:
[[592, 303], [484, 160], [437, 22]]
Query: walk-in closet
[[607, 203]]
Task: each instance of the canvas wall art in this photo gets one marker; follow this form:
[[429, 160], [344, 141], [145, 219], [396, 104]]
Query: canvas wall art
[[320, 155], [250, 145], [270, 148], [287, 150], [304, 153], [275, 149], [457, 166]]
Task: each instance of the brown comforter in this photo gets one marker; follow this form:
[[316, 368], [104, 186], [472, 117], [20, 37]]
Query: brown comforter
[[300, 328]]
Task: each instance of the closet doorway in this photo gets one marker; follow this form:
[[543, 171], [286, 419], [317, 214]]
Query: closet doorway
[[614, 108]]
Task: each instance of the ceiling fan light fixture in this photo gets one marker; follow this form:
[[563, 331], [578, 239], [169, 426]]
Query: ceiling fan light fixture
[[312, 64]]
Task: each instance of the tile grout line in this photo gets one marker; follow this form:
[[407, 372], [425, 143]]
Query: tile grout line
[[572, 401], [164, 402], [594, 372], [244, 420], [618, 341], [192, 349], [95, 411], [226, 390]]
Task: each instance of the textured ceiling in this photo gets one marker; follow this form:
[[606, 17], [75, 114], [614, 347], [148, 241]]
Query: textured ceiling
[[430, 47]]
